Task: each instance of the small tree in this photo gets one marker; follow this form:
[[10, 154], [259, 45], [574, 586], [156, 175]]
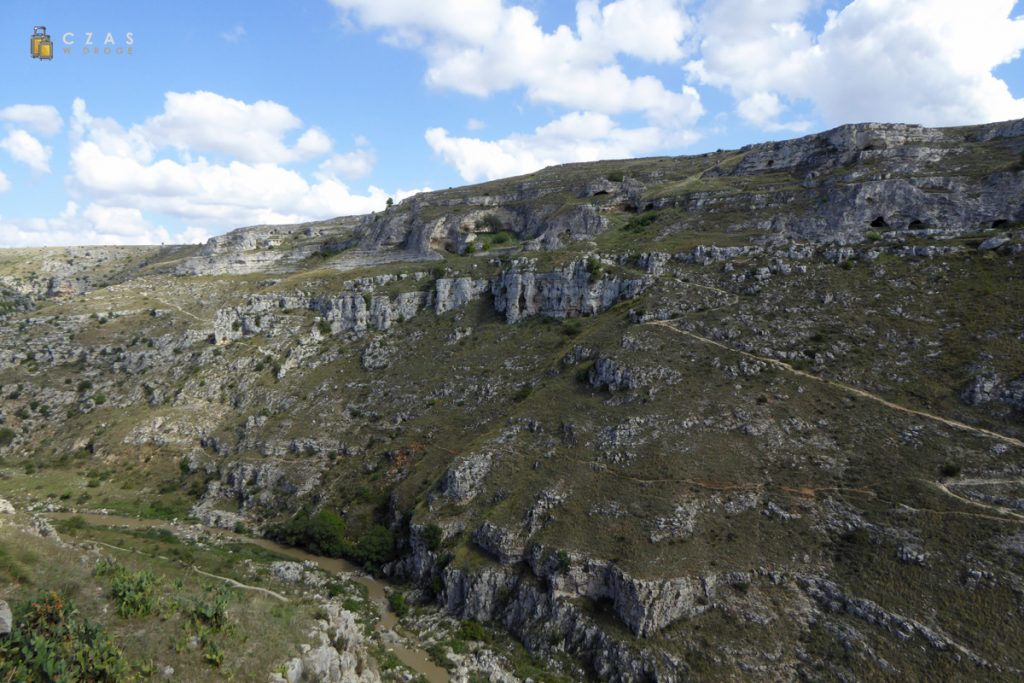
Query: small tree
[[399, 605], [390, 202], [326, 534], [375, 548]]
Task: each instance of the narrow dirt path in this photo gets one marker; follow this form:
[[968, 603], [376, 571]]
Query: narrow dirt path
[[184, 312], [667, 324], [976, 503], [197, 570]]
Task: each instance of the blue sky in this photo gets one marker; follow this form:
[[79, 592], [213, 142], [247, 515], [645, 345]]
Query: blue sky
[[233, 113]]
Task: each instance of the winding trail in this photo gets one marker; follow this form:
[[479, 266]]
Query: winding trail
[[183, 311], [956, 424], [977, 503], [197, 570]]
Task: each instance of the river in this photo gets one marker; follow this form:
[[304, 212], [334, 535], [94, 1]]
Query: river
[[414, 658]]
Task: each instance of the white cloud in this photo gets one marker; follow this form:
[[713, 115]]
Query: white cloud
[[193, 235], [573, 137], [234, 35], [5, 184], [917, 61], [501, 48], [351, 165], [475, 124], [207, 122], [652, 30], [121, 167], [23, 147], [100, 225], [40, 118], [124, 173]]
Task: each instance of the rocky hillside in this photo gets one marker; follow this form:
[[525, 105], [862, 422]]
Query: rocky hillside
[[753, 414]]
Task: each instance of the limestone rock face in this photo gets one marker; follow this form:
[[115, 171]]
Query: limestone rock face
[[377, 355], [462, 481], [457, 292], [608, 373], [337, 655], [530, 612], [988, 387], [520, 292]]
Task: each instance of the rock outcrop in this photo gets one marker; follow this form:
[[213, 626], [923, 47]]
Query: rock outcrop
[[577, 289], [337, 653]]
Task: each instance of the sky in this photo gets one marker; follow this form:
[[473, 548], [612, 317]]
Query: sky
[[167, 122]]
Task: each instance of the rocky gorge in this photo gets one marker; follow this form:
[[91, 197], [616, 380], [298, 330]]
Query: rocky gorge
[[750, 414]]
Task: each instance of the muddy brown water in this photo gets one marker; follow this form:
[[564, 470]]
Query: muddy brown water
[[414, 658]]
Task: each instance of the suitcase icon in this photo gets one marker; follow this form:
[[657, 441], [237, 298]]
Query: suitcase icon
[[42, 46]]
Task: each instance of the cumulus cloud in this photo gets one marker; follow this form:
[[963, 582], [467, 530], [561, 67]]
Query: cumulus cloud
[[652, 30], [193, 235], [42, 119], [124, 173], [501, 48], [100, 225], [123, 167], [918, 61], [352, 165], [485, 47], [574, 137], [23, 147], [207, 122]]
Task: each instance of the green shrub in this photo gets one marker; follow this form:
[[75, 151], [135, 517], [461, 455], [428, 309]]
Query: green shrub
[[210, 610], [398, 604], [6, 436], [324, 327], [641, 221], [322, 533], [873, 235], [438, 654], [583, 372], [326, 534], [594, 268], [490, 222], [470, 248], [615, 176], [375, 548], [50, 641], [433, 536], [522, 393], [571, 328], [949, 469], [472, 630], [133, 593], [562, 560]]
